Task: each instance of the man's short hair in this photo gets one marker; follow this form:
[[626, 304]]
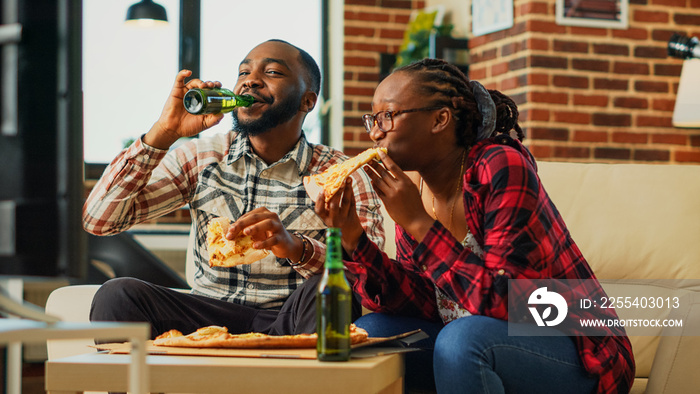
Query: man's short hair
[[310, 65]]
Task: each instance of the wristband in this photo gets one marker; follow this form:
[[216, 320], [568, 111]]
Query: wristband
[[304, 242]]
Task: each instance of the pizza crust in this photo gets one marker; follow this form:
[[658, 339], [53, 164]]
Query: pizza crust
[[219, 337], [224, 252], [332, 179]]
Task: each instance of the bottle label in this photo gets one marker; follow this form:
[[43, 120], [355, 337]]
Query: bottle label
[[228, 102], [211, 101]]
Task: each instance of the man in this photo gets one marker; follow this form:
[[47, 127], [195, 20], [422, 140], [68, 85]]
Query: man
[[252, 175]]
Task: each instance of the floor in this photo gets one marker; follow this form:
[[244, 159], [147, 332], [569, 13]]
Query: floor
[[32, 378]]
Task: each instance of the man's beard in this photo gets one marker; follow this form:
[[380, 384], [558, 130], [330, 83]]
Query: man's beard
[[274, 116]]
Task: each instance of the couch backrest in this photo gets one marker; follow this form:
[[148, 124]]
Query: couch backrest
[[631, 221], [389, 234], [190, 268]]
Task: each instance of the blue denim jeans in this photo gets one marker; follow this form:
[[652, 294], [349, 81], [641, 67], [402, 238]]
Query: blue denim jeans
[[475, 354]]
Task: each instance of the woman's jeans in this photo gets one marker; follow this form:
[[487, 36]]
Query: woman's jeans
[[475, 354]]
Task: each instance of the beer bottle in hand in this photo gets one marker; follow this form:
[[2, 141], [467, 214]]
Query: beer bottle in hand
[[214, 101], [333, 304]]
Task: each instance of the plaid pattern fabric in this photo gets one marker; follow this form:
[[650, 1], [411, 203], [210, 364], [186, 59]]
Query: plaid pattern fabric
[[523, 237], [222, 176]]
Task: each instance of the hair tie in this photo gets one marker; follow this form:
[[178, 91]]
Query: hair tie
[[487, 108]]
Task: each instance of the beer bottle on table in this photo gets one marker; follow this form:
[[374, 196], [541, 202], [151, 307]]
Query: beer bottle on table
[[333, 304], [214, 101]]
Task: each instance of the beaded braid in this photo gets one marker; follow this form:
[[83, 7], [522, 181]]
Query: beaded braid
[[447, 84], [506, 115]]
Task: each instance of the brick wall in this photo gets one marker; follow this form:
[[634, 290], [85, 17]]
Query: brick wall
[[585, 94], [372, 27]]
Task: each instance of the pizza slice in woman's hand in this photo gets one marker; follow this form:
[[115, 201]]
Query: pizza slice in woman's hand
[[333, 178]]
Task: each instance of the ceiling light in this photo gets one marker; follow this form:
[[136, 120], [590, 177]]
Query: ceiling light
[[146, 12]]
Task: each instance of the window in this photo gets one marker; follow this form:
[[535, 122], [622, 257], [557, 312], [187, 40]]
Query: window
[[128, 71], [230, 29]]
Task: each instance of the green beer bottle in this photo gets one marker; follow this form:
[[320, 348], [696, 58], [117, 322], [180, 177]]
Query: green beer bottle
[[214, 101], [333, 304]]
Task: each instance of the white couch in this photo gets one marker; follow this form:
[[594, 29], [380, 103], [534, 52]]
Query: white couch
[[640, 221], [632, 221]]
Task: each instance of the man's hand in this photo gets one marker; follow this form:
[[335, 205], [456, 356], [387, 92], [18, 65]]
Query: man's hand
[[175, 121], [340, 212], [267, 231]]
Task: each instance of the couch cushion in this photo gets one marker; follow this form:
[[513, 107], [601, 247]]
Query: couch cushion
[[644, 346], [675, 367]]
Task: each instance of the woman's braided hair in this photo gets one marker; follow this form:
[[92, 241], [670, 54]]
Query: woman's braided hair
[[447, 85]]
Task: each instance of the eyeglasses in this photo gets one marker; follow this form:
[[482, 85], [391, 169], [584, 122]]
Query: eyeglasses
[[385, 119]]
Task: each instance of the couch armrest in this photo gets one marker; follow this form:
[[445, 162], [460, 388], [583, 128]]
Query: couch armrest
[[674, 369], [70, 303]]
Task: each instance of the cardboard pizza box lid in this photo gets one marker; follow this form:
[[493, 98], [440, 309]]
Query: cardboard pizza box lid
[[374, 346]]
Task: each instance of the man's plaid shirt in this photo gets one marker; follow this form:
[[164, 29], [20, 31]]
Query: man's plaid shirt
[[222, 176]]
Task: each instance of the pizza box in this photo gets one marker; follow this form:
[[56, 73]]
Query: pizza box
[[374, 346]]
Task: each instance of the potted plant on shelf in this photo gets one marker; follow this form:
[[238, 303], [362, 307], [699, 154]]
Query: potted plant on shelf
[[416, 43]]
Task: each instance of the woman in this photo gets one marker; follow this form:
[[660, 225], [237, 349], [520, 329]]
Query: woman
[[471, 215]]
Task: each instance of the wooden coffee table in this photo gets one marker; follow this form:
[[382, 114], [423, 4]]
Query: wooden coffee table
[[205, 374]]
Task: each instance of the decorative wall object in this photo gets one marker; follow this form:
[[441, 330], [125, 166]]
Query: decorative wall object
[[593, 13], [489, 16]]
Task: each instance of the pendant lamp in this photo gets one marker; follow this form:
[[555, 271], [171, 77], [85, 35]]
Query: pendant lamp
[[146, 11]]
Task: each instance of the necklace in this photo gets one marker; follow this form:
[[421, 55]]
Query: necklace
[[454, 202]]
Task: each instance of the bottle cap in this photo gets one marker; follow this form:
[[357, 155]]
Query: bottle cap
[[193, 101]]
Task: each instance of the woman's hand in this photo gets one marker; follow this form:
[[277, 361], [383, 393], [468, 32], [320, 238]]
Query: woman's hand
[[175, 121], [400, 196], [340, 212]]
